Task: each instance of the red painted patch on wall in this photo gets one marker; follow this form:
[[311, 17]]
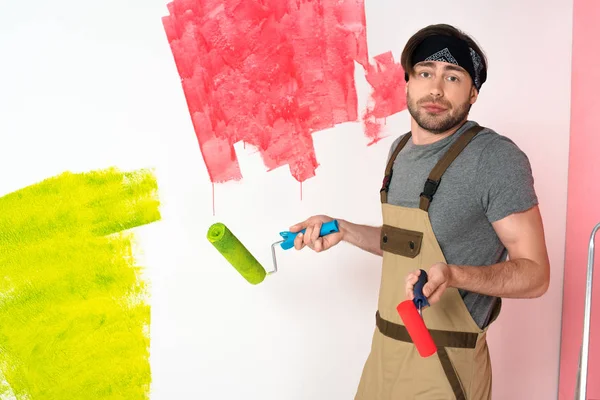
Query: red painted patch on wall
[[388, 97], [271, 73]]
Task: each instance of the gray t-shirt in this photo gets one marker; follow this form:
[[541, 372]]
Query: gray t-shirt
[[489, 180]]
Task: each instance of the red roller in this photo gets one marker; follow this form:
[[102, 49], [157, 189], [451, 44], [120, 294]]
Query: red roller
[[413, 320]]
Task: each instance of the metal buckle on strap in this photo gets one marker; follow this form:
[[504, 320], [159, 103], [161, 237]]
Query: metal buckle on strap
[[386, 183], [430, 188]]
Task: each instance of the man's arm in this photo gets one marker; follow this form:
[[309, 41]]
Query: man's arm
[[525, 275], [364, 237], [505, 181], [527, 272]]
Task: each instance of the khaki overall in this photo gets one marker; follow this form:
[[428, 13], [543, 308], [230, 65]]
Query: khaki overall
[[394, 370]]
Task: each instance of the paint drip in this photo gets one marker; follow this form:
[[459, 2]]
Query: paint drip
[[74, 311]]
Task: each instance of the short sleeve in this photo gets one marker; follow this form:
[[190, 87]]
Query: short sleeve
[[506, 179]]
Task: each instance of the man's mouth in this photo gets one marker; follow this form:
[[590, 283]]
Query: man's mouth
[[433, 108]]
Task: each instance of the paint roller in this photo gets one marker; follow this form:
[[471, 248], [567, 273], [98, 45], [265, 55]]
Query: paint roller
[[242, 260], [411, 312]]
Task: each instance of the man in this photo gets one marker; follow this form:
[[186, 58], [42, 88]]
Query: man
[[457, 199]]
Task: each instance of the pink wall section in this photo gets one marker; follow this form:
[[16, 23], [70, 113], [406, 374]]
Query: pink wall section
[[583, 211]]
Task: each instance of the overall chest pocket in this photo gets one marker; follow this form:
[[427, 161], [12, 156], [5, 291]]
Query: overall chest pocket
[[400, 241]]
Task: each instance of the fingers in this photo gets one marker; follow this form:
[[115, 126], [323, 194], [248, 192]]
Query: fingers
[[307, 236], [311, 237], [298, 227], [430, 287], [437, 283], [305, 239], [328, 241], [318, 245], [410, 282], [436, 279], [314, 234], [432, 284], [435, 295], [299, 241], [435, 291], [434, 287]]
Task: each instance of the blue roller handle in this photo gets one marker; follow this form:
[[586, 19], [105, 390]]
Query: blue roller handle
[[326, 229], [420, 300]]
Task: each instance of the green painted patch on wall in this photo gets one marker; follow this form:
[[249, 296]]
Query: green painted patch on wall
[[74, 316]]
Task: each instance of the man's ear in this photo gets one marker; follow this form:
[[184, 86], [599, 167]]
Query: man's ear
[[474, 94]]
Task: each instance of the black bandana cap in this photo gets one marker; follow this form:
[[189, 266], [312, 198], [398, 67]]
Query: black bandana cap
[[452, 50]]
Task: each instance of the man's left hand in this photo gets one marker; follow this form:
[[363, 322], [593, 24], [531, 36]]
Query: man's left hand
[[438, 281]]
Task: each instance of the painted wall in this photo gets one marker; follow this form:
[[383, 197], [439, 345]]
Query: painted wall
[[583, 211], [94, 84]]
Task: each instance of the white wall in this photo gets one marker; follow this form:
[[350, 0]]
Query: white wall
[[91, 84]]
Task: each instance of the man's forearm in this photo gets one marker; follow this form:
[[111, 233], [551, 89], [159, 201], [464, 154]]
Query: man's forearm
[[519, 278], [362, 236]]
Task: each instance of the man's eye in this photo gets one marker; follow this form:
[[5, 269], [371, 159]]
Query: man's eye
[[453, 79], [424, 74]]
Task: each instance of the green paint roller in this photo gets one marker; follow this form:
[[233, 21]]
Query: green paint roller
[[236, 253], [242, 260]]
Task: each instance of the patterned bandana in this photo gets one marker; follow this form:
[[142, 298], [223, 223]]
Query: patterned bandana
[[454, 51]]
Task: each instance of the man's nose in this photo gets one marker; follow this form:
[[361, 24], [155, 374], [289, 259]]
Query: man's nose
[[436, 88]]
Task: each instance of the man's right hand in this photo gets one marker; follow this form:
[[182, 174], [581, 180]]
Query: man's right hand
[[311, 237]]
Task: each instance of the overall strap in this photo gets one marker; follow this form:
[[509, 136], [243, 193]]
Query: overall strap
[[433, 181], [389, 168]]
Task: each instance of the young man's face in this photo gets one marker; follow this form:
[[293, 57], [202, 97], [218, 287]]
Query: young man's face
[[439, 95]]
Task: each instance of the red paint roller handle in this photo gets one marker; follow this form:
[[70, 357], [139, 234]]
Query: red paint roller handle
[[420, 300], [414, 322]]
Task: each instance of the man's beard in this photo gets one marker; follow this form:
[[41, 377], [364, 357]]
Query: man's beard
[[437, 123]]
